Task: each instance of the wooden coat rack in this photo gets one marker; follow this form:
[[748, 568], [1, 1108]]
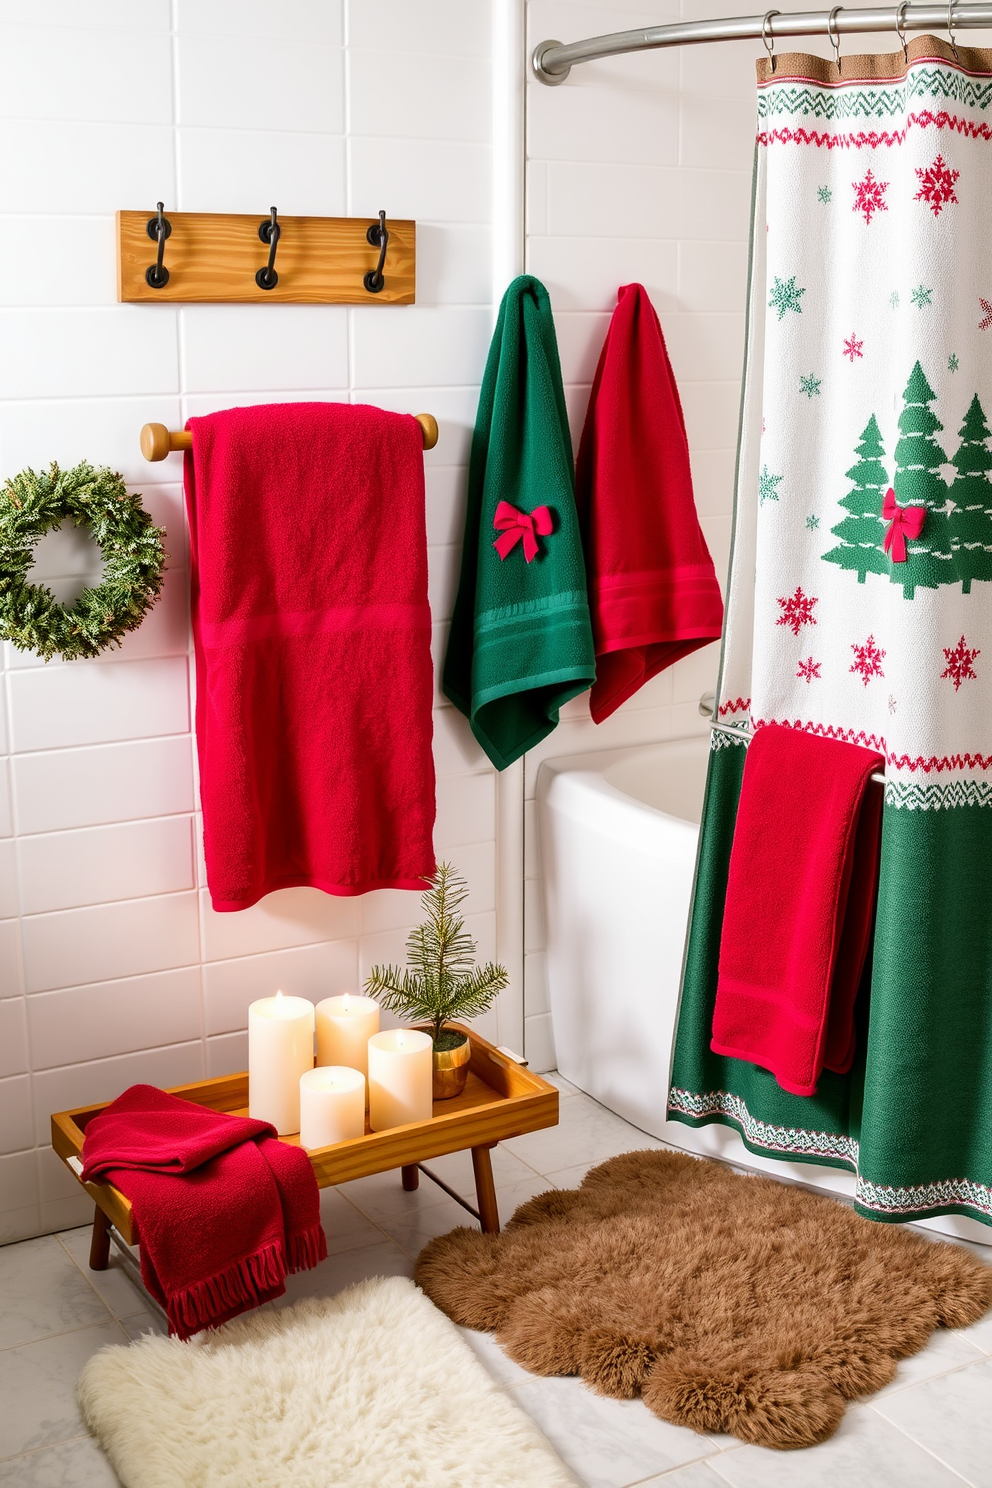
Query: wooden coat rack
[[170, 257]]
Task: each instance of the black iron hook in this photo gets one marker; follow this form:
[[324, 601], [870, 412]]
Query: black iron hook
[[378, 236], [159, 228], [270, 232]]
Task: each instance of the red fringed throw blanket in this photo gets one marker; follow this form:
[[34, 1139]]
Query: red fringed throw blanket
[[800, 899], [314, 683], [223, 1210]]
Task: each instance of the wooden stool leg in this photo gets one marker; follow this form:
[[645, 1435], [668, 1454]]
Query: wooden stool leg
[[411, 1177], [485, 1190], [100, 1241]]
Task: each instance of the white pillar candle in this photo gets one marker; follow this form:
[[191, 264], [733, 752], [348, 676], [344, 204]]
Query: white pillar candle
[[280, 1048], [332, 1105], [344, 1026], [401, 1078]]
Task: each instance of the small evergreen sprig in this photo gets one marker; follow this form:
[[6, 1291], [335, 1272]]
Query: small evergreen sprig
[[441, 981]]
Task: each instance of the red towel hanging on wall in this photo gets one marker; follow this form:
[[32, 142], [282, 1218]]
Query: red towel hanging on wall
[[653, 592], [314, 684]]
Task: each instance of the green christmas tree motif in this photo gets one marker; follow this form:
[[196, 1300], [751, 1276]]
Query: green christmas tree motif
[[918, 482], [971, 492], [862, 532]]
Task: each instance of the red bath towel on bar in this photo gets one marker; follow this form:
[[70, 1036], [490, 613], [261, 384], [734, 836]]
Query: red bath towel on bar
[[653, 592], [800, 898], [312, 630], [223, 1210]]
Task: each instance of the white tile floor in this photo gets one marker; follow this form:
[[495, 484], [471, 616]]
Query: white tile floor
[[932, 1428]]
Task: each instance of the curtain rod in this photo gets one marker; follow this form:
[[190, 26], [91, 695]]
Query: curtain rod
[[552, 60]]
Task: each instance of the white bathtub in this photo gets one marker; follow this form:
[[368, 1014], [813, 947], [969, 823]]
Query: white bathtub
[[617, 834]]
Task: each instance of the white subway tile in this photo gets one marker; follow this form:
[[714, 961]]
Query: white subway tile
[[718, 532], [13, 1036], [75, 1210], [288, 917], [711, 414], [100, 865], [419, 347], [4, 731], [392, 97], [445, 28], [108, 1018], [105, 1079], [16, 1131], [6, 813], [433, 180], [248, 81], [585, 273], [8, 878], [605, 116], [51, 167], [20, 1224], [227, 1054], [232, 348], [456, 749], [539, 1043], [295, 20], [532, 860], [716, 203], [538, 222], [580, 340], [445, 488], [696, 674], [18, 1184], [198, 404], [150, 15], [536, 984], [86, 704], [163, 632], [110, 783], [535, 936], [69, 431], [399, 909], [313, 972], [56, 1182], [73, 72], [11, 980], [99, 352], [712, 277], [239, 170], [713, 481], [388, 948], [705, 348], [33, 261], [586, 199], [717, 134], [74, 947], [466, 812], [442, 579], [454, 264]]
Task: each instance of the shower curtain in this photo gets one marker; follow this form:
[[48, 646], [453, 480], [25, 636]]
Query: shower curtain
[[860, 598]]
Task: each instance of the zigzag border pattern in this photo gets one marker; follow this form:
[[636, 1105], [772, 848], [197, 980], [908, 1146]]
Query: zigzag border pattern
[[912, 795], [926, 763], [721, 740], [738, 705], [806, 96], [786, 1141], [873, 140]]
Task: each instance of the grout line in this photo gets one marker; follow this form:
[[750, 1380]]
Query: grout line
[[919, 1445], [46, 1447], [10, 1348]]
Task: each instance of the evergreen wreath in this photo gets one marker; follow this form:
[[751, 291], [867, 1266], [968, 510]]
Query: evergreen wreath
[[31, 618]]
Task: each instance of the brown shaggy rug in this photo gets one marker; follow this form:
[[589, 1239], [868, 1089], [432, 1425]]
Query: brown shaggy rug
[[728, 1303]]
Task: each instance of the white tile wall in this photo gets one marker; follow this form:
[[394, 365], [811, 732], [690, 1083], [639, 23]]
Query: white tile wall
[[113, 967]]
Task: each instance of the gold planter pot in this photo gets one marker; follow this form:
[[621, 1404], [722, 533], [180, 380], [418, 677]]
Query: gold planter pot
[[450, 1069]]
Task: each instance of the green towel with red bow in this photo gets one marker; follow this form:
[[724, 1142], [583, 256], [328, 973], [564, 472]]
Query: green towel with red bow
[[521, 640]]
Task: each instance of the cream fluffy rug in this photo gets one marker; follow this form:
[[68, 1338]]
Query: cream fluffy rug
[[373, 1388]]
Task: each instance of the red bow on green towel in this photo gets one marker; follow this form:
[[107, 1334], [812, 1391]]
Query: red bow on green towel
[[904, 521], [515, 525]]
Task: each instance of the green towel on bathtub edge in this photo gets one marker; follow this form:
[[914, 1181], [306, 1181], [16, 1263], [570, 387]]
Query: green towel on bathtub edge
[[521, 639]]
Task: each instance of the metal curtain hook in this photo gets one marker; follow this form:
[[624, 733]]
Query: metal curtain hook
[[766, 36], [901, 28], [377, 235], [834, 34], [950, 29], [159, 228], [270, 232]]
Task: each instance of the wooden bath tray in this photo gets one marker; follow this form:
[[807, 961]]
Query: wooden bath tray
[[501, 1099]]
